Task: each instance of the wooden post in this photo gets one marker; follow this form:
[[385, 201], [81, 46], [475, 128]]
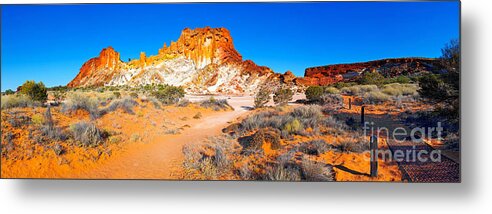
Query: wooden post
[[362, 119], [374, 157], [350, 103]]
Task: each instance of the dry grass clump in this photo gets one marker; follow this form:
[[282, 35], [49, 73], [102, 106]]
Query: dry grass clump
[[359, 89], [376, 97], [354, 144], [212, 161], [316, 171], [17, 100], [397, 89], [126, 104], [87, 134], [79, 101], [314, 147], [215, 104]]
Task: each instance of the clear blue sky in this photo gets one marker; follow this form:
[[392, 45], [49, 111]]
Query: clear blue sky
[[50, 43]]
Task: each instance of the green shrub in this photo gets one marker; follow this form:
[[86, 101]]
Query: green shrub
[[116, 94], [293, 127], [169, 94], [36, 91], [372, 78], [314, 93], [283, 96], [8, 92], [262, 97], [332, 90]]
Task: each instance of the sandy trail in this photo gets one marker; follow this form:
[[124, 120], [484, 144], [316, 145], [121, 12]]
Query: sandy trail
[[159, 158]]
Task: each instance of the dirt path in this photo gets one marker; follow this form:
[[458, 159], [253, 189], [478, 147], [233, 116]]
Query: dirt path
[[158, 160]]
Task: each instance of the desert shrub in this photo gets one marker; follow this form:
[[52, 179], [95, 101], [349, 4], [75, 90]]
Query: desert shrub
[[16, 101], [284, 169], [316, 171], [314, 147], [280, 172], [134, 95], [397, 89], [210, 161], [216, 105], [332, 90], [169, 94], [282, 96], [262, 97], [356, 145], [198, 115], [87, 134], [37, 119], [310, 111], [117, 94], [375, 97], [7, 144], [359, 89], [8, 92], [126, 104], [35, 91], [314, 93], [399, 79], [78, 101], [371, 78], [266, 135], [58, 149], [184, 103], [331, 101], [18, 121], [48, 130], [293, 127]]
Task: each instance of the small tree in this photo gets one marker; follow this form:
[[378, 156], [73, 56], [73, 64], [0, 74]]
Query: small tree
[[36, 91], [282, 96], [8, 92], [262, 97], [372, 78], [314, 93]]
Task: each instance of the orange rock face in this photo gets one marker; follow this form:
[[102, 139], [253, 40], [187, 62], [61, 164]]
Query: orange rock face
[[108, 61], [326, 75], [204, 46]]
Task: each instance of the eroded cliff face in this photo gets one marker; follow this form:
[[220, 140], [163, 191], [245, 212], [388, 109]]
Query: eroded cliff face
[[98, 70], [326, 75], [202, 60]]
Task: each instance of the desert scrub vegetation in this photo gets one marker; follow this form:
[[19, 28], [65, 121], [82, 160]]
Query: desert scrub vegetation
[[86, 134], [166, 94], [126, 104], [35, 91], [80, 101], [282, 96], [216, 104], [262, 97], [17, 101]]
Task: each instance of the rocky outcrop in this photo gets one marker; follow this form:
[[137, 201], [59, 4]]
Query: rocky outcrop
[[325, 75], [98, 70], [202, 60]]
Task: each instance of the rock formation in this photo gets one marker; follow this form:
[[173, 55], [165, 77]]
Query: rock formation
[[202, 60], [326, 75]]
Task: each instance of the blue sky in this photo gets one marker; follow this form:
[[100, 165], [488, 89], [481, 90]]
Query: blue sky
[[50, 43]]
